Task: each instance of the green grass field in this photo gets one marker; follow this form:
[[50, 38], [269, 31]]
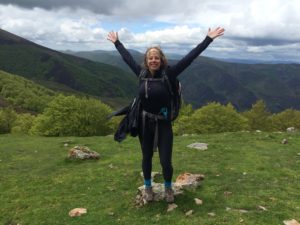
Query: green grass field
[[38, 185]]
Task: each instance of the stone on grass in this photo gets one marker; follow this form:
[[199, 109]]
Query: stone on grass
[[200, 146], [159, 193], [184, 181], [77, 212], [82, 152], [189, 213], [291, 129], [198, 201], [171, 207], [291, 222], [189, 180]]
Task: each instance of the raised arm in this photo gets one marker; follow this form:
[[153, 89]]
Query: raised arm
[[194, 53], [127, 57], [215, 33], [113, 36]]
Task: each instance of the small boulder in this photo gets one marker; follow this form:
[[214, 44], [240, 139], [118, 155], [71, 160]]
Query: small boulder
[[189, 180], [82, 152], [77, 212]]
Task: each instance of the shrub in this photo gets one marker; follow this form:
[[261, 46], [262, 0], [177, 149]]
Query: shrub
[[258, 117], [7, 118], [285, 119], [216, 118], [68, 116], [23, 123]]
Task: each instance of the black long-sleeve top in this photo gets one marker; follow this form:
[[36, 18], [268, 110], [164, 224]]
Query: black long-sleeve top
[[159, 97]]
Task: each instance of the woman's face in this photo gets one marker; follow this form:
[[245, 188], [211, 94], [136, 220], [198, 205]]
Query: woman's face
[[153, 60]]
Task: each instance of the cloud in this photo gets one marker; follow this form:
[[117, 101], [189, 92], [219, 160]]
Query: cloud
[[101, 7], [253, 28]]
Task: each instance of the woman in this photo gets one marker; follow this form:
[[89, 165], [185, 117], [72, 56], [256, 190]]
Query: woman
[[155, 126]]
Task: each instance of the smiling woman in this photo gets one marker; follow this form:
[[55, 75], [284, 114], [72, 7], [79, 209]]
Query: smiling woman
[[155, 109]]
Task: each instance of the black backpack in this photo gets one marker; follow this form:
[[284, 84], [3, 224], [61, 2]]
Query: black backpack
[[129, 124], [174, 88]]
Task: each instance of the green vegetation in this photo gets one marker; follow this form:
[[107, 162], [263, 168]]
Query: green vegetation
[[50, 67], [73, 116], [244, 172], [23, 94]]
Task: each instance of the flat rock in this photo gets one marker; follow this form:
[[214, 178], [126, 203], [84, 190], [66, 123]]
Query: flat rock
[[185, 181], [77, 212], [200, 146]]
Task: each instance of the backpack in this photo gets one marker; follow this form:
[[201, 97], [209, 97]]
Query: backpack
[[174, 88], [130, 123]]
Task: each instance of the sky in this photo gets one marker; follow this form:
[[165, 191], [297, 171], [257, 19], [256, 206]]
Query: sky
[[267, 30]]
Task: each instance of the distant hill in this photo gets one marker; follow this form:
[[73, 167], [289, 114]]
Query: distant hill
[[64, 72], [241, 84], [105, 75]]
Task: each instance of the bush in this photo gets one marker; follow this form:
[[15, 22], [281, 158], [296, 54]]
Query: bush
[[285, 119], [216, 118], [71, 116], [7, 118], [23, 123], [182, 124]]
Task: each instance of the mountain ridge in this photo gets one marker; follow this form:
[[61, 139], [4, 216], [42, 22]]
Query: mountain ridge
[[105, 75]]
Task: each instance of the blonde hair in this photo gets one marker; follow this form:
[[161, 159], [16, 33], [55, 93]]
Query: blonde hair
[[163, 58]]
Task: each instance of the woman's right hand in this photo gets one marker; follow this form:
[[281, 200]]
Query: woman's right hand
[[112, 36]]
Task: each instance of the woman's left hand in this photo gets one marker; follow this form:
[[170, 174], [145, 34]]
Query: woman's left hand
[[215, 33]]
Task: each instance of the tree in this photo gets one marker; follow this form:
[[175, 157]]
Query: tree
[[258, 117]]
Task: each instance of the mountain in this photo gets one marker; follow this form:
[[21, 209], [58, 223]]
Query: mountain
[[108, 57], [64, 72], [207, 80]]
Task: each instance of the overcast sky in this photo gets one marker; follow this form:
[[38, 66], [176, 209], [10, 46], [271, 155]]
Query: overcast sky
[[255, 29]]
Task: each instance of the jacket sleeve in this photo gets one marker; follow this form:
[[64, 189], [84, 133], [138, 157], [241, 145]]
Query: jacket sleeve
[[190, 57], [127, 57]]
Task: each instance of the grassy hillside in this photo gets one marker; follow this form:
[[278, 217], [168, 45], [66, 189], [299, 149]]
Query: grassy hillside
[[250, 178], [49, 67], [23, 94]]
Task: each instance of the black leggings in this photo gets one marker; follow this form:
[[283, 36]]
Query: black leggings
[[164, 143]]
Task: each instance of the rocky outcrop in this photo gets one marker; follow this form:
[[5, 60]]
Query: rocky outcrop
[[82, 152]]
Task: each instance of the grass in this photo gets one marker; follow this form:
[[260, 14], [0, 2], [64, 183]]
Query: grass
[[38, 185]]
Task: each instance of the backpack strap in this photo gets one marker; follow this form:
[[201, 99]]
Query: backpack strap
[[165, 78]]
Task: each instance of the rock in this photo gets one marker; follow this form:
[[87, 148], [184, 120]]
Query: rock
[[183, 181], [200, 146], [291, 222], [262, 208], [284, 141], [291, 129], [77, 212], [82, 152], [159, 193], [189, 213], [188, 180], [171, 207], [198, 201]]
